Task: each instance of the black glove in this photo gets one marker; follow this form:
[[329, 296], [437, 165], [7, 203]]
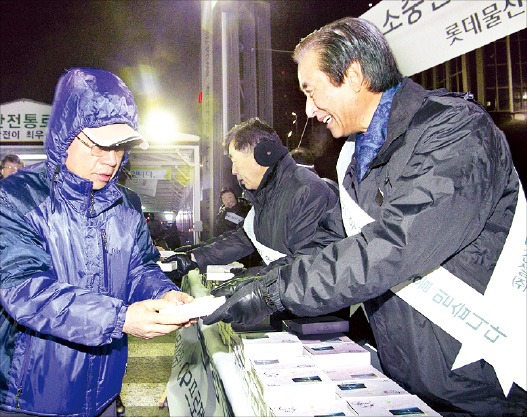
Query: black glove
[[187, 248], [250, 305], [184, 263], [229, 287]]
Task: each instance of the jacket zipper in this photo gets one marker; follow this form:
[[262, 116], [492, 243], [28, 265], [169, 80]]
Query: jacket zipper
[[17, 397], [92, 204], [104, 259], [24, 372], [104, 241]]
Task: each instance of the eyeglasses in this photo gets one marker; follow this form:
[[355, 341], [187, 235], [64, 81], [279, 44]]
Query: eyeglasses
[[99, 151], [13, 168]]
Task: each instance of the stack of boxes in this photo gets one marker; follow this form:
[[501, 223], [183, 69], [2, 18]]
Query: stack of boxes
[[288, 375], [313, 369]]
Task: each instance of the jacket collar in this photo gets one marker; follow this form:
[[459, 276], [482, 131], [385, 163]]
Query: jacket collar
[[271, 179], [406, 102], [78, 193]]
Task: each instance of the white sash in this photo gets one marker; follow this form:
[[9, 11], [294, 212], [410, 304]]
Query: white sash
[[490, 326], [233, 217], [268, 255], [353, 216]]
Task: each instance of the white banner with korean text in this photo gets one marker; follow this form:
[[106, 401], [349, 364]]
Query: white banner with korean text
[[425, 33], [194, 388]]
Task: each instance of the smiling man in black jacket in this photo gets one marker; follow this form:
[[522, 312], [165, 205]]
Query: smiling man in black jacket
[[434, 215]]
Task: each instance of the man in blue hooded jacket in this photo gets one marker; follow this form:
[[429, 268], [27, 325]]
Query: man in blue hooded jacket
[[78, 267]]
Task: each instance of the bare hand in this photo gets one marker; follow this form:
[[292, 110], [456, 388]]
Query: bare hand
[[143, 319], [179, 297]]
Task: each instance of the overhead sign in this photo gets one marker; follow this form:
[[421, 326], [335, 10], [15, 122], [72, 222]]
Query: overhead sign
[[423, 34], [23, 121]]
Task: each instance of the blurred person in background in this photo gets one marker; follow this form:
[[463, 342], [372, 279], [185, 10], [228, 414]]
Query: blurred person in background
[[172, 237], [232, 211], [157, 231], [306, 158], [9, 165]]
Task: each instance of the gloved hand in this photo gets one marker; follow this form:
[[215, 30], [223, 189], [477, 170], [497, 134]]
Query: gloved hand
[[231, 286], [184, 263], [250, 304], [187, 248]]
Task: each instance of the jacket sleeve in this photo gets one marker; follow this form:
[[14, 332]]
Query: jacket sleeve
[[32, 295], [437, 205], [308, 207], [224, 249], [147, 280]]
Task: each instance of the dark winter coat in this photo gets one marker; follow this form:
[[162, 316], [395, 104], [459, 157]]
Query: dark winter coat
[[288, 204], [72, 261], [442, 192]]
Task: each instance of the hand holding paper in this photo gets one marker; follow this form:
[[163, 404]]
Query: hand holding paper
[[200, 307]]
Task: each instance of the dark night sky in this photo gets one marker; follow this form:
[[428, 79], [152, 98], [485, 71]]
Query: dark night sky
[[41, 38]]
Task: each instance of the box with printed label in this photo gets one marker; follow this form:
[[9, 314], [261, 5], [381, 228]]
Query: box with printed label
[[368, 388], [390, 405], [326, 408], [269, 345], [304, 385], [353, 373], [342, 354]]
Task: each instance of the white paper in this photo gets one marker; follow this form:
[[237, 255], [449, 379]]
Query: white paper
[[200, 307]]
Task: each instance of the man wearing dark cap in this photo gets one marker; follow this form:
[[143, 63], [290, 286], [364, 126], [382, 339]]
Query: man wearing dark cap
[[78, 270]]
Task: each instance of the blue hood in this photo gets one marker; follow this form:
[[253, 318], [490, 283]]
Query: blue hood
[[86, 97]]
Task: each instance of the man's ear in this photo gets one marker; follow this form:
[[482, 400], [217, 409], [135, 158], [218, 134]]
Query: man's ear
[[354, 76]]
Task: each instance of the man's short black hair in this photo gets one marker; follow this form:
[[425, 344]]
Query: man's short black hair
[[14, 159]]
